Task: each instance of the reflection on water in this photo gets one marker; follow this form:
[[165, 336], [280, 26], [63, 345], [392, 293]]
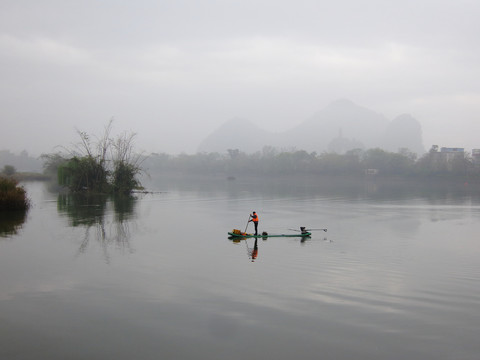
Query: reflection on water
[[397, 278], [124, 207], [251, 244], [83, 209], [252, 251], [311, 186], [11, 222], [93, 212]]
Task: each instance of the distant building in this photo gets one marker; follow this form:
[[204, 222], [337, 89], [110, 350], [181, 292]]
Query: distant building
[[452, 153], [476, 157], [447, 156]]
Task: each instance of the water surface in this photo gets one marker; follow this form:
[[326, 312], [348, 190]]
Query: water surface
[[396, 276]]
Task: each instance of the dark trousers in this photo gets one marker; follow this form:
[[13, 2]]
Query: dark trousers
[[256, 227]]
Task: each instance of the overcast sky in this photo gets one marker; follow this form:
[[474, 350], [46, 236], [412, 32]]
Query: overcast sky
[[174, 71]]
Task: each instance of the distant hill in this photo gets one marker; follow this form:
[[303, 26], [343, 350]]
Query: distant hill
[[236, 134], [339, 127], [404, 131], [341, 119]]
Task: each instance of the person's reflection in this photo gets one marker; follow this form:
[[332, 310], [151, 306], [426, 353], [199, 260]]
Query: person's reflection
[[253, 252]]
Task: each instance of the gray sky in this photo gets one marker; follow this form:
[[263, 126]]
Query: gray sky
[[173, 71]]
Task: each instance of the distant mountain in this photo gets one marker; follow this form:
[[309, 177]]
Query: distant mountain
[[341, 119], [404, 132], [340, 127], [236, 134]]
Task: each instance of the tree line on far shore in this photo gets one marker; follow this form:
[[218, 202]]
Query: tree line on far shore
[[110, 165], [356, 162]]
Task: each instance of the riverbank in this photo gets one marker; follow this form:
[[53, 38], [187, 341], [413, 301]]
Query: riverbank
[[30, 176]]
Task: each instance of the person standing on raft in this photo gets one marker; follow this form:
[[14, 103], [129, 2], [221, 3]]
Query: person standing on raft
[[254, 219]]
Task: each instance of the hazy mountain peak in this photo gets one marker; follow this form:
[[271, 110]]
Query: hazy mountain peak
[[235, 121], [341, 103], [236, 133], [345, 107], [342, 121], [405, 117], [404, 131]]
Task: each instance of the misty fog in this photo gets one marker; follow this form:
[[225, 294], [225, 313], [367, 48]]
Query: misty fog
[[174, 72]]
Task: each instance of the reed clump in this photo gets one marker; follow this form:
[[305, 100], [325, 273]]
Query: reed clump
[[12, 196], [107, 165]]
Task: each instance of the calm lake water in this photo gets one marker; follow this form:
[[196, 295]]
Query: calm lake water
[[397, 275]]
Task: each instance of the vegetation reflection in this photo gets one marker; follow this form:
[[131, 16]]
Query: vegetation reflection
[[11, 222], [14, 205], [106, 219]]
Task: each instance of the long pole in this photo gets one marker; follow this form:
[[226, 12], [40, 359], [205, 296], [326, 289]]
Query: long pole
[[248, 221]]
